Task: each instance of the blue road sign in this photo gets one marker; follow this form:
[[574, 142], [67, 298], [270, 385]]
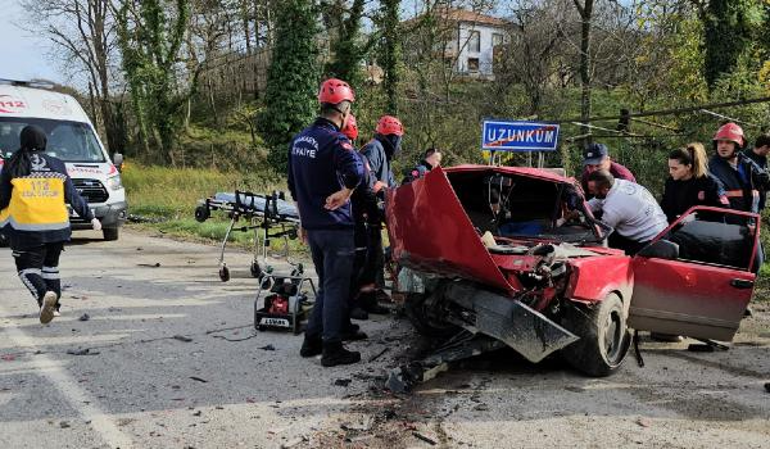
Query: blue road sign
[[519, 136]]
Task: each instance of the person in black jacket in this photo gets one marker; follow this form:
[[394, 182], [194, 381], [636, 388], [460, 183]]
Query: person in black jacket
[[690, 183], [34, 192]]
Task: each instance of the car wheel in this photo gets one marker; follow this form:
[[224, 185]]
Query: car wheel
[[111, 234], [604, 337], [420, 310]]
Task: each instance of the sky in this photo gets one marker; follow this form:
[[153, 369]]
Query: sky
[[23, 55]]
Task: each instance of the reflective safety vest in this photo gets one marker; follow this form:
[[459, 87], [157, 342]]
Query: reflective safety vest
[[37, 203], [33, 208]]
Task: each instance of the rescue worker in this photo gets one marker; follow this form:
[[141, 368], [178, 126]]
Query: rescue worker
[[758, 154], [34, 192], [379, 153], [628, 208], [596, 156], [430, 160], [363, 202], [323, 170], [689, 183], [741, 179]]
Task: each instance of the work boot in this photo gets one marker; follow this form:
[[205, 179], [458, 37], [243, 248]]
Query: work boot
[[368, 302], [311, 347], [354, 335], [335, 354], [48, 307], [358, 313]]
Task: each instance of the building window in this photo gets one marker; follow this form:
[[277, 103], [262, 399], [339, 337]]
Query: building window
[[497, 39], [474, 42], [473, 64]]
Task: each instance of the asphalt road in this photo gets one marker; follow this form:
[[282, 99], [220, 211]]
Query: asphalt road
[[143, 385]]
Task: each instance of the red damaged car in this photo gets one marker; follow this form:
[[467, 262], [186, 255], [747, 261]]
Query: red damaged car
[[488, 259]]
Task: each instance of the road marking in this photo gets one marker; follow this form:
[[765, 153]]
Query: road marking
[[78, 398]]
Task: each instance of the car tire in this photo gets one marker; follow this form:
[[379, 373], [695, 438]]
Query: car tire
[[111, 234], [604, 336], [417, 307]]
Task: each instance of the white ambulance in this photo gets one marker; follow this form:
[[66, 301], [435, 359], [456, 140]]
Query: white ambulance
[[71, 138]]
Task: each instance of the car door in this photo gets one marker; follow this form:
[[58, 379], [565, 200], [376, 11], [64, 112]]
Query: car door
[[702, 280]]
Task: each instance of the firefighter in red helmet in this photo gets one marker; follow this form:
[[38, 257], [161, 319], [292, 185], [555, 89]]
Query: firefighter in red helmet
[[324, 169], [741, 178], [379, 153]]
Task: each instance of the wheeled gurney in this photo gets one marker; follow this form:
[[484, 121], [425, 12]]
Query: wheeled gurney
[[269, 216]]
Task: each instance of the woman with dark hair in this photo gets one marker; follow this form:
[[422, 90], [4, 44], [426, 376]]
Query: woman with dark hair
[[34, 192], [690, 183]]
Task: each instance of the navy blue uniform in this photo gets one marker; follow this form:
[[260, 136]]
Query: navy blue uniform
[[761, 162], [741, 184], [417, 172], [379, 161], [321, 162], [34, 218]]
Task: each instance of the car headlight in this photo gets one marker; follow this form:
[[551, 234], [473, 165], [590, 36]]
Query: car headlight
[[115, 183]]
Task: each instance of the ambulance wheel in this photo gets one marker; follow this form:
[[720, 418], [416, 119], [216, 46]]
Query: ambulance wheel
[[202, 214], [111, 234], [224, 274], [604, 337], [256, 270]]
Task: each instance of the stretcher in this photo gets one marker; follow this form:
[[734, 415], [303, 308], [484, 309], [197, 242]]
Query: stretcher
[[268, 216]]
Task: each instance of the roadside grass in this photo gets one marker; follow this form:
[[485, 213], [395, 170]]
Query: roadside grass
[[167, 197]]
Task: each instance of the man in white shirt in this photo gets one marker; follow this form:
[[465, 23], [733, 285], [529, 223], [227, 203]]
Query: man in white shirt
[[629, 208]]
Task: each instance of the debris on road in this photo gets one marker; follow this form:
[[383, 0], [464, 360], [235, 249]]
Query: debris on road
[[268, 348], [149, 265], [64, 425], [183, 338], [291, 443], [84, 351], [378, 355], [84, 317], [8, 357], [424, 438], [644, 422], [199, 379], [767, 387]]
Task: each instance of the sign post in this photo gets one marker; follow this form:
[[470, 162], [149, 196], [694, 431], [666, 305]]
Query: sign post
[[518, 137]]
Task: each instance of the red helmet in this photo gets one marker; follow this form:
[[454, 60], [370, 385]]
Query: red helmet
[[334, 91], [389, 125], [732, 132], [351, 128]]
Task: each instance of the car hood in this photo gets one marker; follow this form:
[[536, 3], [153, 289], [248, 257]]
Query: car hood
[[430, 231]]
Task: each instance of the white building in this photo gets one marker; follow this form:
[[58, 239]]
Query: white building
[[471, 49]]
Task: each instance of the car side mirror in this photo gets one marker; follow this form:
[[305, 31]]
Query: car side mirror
[[117, 159], [661, 249]]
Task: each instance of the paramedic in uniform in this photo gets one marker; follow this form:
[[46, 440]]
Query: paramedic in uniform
[[34, 190], [628, 208], [324, 169]]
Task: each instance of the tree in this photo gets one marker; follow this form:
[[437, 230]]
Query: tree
[[390, 54], [292, 78], [84, 32], [150, 39], [347, 48]]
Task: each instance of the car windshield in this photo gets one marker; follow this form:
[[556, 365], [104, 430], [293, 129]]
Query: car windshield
[[68, 141]]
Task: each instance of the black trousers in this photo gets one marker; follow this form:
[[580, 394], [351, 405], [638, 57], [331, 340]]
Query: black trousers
[[38, 269], [631, 247]]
